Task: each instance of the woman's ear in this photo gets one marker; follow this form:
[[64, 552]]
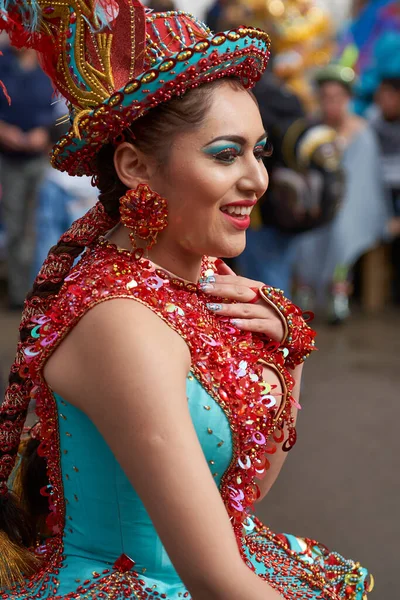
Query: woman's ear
[[131, 165]]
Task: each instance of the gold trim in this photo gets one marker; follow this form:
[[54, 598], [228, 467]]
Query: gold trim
[[281, 315]]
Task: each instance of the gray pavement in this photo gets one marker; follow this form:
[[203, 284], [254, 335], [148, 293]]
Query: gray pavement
[[341, 483]]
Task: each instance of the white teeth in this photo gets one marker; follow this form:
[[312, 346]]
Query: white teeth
[[239, 211]]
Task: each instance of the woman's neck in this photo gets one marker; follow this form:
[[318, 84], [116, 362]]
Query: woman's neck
[[177, 261], [182, 264]]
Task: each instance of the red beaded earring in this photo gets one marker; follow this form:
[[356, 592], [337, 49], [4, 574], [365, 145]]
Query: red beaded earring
[[145, 213]]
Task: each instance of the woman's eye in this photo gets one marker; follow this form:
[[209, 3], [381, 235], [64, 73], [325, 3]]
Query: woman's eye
[[263, 151], [227, 156]]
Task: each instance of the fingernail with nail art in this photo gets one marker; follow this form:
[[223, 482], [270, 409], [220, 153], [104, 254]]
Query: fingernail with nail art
[[214, 307], [236, 322], [205, 280], [206, 287]]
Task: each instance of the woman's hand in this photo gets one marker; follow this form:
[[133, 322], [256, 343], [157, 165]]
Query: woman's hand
[[242, 303]]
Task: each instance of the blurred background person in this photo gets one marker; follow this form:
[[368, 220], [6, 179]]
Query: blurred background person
[[270, 250], [325, 258], [216, 12], [61, 199], [232, 13], [24, 141], [305, 189], [385, 120], [299, 196]]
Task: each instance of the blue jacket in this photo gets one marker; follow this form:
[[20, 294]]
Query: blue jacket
[[31, 97]]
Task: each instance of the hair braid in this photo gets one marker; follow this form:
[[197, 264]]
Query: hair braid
[[16, 530]]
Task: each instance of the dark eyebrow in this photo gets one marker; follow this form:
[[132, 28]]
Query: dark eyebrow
[[238, 139]]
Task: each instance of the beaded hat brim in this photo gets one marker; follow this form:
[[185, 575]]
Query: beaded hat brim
[[241, 53]]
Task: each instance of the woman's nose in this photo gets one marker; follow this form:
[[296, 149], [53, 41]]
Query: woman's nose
[[256, 179]]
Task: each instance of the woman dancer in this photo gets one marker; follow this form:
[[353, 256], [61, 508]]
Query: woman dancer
[[166, 387]]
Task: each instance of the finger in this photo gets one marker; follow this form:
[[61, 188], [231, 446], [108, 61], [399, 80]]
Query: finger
[[263, 318], [242, 311], [258, 326], [237, 280], [239, 293], [223, 268]]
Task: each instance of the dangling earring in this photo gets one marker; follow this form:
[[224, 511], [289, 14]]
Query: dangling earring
[[145, 213]]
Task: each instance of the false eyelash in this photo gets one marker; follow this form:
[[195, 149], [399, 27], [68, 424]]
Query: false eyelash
[[267, 150], [228, 153]]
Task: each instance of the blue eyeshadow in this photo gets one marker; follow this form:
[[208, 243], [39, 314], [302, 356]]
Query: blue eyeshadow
[[217, 148]]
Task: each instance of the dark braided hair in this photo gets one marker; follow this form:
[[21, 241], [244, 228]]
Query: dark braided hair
[[17, 525], [20, 513]]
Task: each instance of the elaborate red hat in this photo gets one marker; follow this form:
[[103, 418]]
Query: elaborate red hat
[[114, 60]]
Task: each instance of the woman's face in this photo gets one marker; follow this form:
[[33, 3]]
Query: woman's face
[[214, 177]]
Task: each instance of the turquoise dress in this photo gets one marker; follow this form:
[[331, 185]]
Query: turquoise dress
[[104, 544], [105, 516]]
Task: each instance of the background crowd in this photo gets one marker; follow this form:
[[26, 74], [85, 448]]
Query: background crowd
[[328, 227]]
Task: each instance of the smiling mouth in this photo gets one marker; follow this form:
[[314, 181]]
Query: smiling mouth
[[237, 211]]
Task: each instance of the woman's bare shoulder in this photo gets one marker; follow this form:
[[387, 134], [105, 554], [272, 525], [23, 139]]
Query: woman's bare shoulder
[[110, 330]]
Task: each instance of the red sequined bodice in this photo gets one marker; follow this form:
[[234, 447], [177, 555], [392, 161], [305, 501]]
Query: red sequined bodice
[[228, 364]]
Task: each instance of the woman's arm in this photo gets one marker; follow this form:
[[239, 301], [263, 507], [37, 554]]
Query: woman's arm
[[277, 460], [127, 371]]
